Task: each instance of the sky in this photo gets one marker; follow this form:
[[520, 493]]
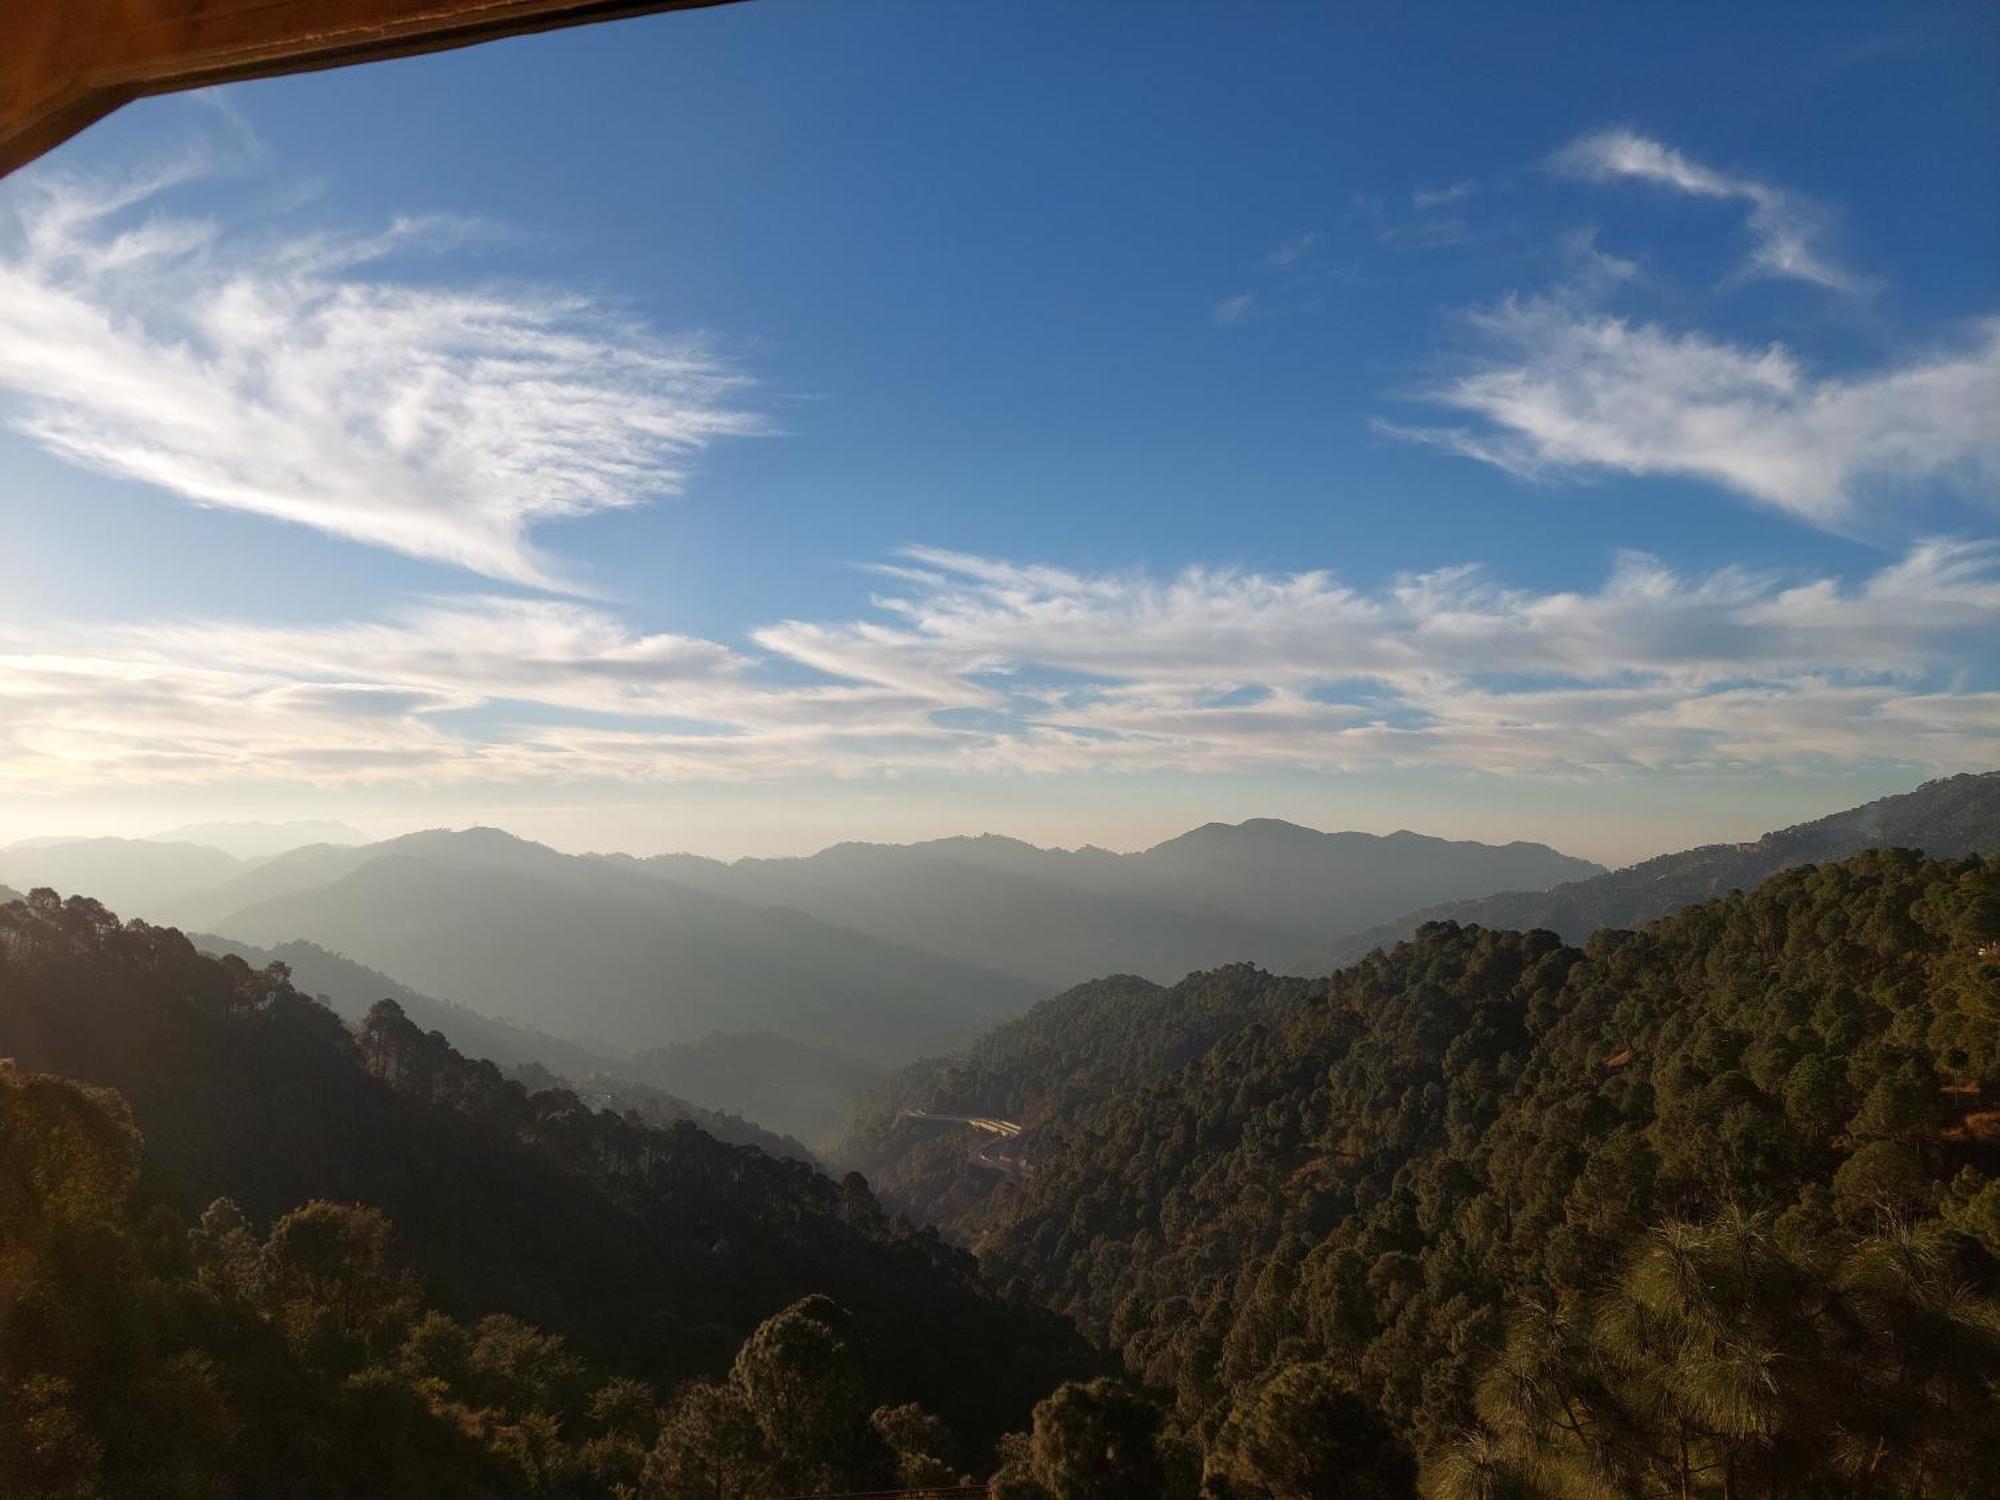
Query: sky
[[745, 429]]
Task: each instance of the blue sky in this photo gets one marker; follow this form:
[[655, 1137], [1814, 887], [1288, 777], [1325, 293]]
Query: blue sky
[[743, 429]]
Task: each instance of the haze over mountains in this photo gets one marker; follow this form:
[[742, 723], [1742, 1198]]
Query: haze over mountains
[[257, 840], [885, 952], [169, 875], [800, 1090], [1947, 818], [554, 940], [1347, 1171], [1221, 893], [782, 990], [135, 875]]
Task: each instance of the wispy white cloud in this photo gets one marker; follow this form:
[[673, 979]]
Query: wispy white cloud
[[1291, 251], [1429, 230], [1438, 232], [1559, 385], [1563, 388], [1786, 228], [1232, 310], [974, 665], [294, 379], [1425, 199]]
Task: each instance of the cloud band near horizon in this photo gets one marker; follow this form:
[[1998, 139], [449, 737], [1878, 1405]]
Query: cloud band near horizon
[[978, 666]]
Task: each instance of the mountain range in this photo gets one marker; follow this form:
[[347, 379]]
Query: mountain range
[[1221, 893], [257, 840], [1112, 1038], [883, 953], [1952, 816]]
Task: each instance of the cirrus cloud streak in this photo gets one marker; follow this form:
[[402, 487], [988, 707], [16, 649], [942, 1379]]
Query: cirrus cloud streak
[[973, 665], [291, 378]]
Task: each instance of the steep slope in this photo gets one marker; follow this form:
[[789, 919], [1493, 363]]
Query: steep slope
[[352, 990], [1387, 1165], [588, 949], [1104, 1040], [1945, 818], [287, 874], [655, 1250]]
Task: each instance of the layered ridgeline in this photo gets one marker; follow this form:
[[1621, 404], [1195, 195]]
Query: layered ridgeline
[[879, 949], [1078, 1048], [1946, 818], [1223, 893], [781, 990], [653, 1252], [1705, 1209], [159, 879], [600, 1077], [584, 948]]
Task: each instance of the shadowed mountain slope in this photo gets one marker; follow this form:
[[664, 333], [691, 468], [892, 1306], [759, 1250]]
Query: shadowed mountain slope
[[600, 1078], [654, 1250]]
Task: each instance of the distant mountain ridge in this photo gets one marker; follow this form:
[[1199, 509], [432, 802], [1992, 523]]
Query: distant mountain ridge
[[1945, 819], [258, 840], [143, 876], [555, 941], [1223, 893], [883, 952]]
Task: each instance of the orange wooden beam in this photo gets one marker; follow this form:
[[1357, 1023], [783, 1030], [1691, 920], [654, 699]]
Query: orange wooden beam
[[65, 63]]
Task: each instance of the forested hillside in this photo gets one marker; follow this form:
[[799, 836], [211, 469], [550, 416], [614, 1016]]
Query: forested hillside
[[351, 989], [654, 1252], [142, 1355], [1099, 1041], [1945, 818], [601, 1077], [1705, 1209]]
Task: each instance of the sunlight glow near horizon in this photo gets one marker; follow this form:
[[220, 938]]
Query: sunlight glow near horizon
[[1621, 479]]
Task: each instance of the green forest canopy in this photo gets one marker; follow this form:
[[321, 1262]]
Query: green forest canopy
[[1707, 1209]]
